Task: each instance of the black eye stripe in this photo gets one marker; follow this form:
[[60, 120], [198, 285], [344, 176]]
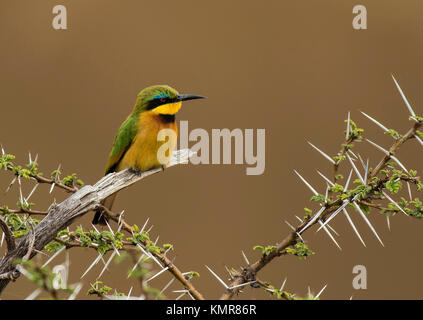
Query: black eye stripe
[[159, 101]]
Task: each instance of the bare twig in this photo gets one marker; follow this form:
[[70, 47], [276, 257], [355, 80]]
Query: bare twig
[[10, 240]]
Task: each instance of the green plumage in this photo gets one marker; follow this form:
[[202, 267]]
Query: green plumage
[[123, 140]]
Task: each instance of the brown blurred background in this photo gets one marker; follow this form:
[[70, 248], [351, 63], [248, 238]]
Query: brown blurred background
[[292, 68]]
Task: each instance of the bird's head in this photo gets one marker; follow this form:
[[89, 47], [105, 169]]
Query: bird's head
[[162, 99]]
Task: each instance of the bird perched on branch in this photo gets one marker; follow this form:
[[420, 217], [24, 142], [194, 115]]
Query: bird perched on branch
[[136, 144]]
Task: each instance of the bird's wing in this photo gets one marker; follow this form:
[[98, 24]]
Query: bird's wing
[[123, 141]]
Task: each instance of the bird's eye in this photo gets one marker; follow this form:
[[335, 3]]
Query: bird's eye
[[162, 99]]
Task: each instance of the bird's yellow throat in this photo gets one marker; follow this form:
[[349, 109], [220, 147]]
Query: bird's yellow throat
[[170, 108]]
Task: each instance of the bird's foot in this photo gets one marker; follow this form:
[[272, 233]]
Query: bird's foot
[[136, 171]]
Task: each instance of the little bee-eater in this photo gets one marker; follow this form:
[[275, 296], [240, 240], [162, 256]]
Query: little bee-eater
[[136, 144]]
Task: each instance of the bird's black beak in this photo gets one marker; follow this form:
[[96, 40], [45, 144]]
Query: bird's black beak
[[184, 97]]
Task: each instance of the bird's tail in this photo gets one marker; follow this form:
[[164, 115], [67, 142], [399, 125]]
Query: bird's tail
[[100, 217]]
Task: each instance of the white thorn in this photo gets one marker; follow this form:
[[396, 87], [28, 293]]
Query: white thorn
[[283, 284], [56, 177], [299, 236], [11, 184], [293, 229], [388, 222], [242, 284], [418, 139], [119, 227], [409, 191], [218, 278], [107, 264], [333, 230], [366, 171], [403, 97], [229, 272], [348, 180], [32, 191], [330, 235], [322, 153], [167, 250], [21, 199], [348, 127], [142, 229], [92, 264], [307, 184], [318, 295], [327, 179], [368, 222], [157, 239], [290, 225], [167, 285], [136, 264], [95, 228], [178, 291], [67, 262], [378, 147], [355, 169], [110, 228], [75, 291], [316, 216], [181, 295], [362, 162], [34, 294], [353, 154], [157, 274], [54, 256], [345, 203], [151, 256], [102, 259], [353, 226], [326, 194], [190, 295], [129, 293], [400, 164], [376, 122], [245, 258], [392, 201], [120, 216]]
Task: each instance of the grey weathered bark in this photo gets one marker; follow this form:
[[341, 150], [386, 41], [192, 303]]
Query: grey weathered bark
[[84, 200]]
